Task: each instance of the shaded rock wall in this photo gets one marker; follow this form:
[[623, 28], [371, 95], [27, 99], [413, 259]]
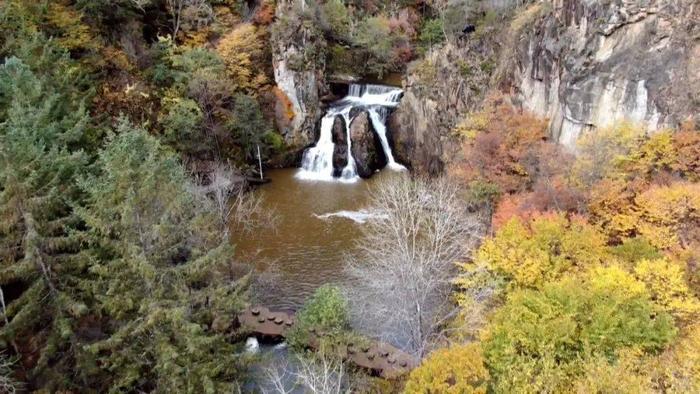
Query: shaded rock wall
[[585, 64], [301, 82], [451, 81]]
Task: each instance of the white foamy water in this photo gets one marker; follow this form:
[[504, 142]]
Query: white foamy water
[[360, 216], [317, 163]]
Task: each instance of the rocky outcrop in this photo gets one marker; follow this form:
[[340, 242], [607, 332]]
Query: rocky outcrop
[[300, 84], [582, 64], [451, 81], [585, 64], [340, 150], [366, 148], [300, 104]]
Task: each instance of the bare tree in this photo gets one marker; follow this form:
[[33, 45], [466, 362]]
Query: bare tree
[[188, 12], [314, 373], [406, 259], [226, 193], [8, 384]]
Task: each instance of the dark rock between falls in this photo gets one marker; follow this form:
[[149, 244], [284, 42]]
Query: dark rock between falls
[[340, 151]]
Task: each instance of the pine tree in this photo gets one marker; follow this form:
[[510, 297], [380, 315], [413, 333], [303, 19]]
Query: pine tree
[[39, 125], [158, 262]]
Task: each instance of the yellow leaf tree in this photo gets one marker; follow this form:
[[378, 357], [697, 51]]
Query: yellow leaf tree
[[601, 152], [666, 283], [458, 369], [530, 254], [670, 215], [677, 370], [241, 50]]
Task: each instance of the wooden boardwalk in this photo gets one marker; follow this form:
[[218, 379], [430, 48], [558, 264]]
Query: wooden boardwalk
[[380, 358]]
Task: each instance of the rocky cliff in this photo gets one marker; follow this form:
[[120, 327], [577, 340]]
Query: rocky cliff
[[449, 82], [299, 79], [301, 89], [585, 64], [582, 64]]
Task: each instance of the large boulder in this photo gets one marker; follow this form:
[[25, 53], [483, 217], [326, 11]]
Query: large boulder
[[366, 147], [340, 139]]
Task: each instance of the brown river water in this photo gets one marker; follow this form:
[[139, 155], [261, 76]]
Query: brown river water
[[304, 251]]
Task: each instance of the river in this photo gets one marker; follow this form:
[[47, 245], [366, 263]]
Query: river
[[305, 249]]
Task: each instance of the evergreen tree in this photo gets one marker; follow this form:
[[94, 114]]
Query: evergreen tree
[[159, 273], [39, 125]]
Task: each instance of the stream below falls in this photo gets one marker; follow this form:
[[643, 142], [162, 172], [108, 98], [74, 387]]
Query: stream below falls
[[317, 224], [319, 213]]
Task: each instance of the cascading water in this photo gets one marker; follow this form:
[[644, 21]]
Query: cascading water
[[378, 117], [317, 163]]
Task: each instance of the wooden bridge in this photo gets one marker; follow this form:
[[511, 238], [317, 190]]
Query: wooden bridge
[[380, 358]]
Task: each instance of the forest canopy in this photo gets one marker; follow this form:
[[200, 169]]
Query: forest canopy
[[129, 130]]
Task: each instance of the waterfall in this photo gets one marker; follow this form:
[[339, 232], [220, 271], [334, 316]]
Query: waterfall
[[378, 117], [317, 163]]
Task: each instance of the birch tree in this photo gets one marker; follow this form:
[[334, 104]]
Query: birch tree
[[226, 195], [313, 373]]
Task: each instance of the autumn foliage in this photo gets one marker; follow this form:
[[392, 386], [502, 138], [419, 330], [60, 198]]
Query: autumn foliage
[[459, 370], [501, 146], [589, 281], [240, 50]]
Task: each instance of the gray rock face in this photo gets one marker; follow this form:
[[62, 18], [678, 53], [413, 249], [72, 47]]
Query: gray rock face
[[366, 148], [301, 88], [302, 93], [340, 151], [450, 82], [586, 64], [582, 64]]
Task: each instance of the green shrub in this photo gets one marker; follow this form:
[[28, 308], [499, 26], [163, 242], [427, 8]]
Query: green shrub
[[373, 35], [181, 122], [431, 33], [326, 311], [340, 60], [274, 141], [248, 126], [636, 249], [487, 66], [480, 193], [465, 69], [336, 19]]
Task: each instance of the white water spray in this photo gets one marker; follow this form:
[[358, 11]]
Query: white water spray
[[317, 163], [360, 216], [379, 124]]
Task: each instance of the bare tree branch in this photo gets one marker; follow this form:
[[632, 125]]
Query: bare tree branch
[[405, 265], [7, 383], [226, 194], [314, 373], [194, 13]]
